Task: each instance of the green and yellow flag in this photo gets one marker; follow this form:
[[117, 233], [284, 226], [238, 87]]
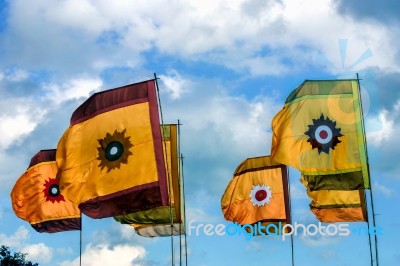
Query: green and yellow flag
[[36, 197], [257, 193], [319, 131], [111, 157]]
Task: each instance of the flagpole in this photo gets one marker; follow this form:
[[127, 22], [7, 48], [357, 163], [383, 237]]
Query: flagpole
[[290, 214], [369, 179], [80, 241], [180, 192], [183, 201], [369, 235], [184, 213], [168, 175]]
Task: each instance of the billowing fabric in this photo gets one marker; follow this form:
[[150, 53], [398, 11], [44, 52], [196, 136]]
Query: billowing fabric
[[333, 215], [319, 132], [257, 192], [337, 205], [156, 230], [111, 157], [157, 221], [36, 197], [161, 215]]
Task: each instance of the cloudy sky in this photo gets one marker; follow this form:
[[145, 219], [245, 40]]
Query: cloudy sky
[[225, 69]]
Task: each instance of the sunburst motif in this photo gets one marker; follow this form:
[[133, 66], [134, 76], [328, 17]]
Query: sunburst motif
[[323, 134], [52, 191], [114, 150], [260, 195]]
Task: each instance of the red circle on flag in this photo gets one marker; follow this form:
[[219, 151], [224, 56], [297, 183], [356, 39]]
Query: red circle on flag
[[261, 195], [323, 134]]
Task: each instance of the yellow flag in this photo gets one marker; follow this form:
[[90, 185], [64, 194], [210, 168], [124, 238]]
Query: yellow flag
[[257, 192], [320, 132], [111, 157], [163, 214], [36, 197]]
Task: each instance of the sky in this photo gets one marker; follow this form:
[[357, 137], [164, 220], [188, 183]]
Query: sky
[[225, 69]]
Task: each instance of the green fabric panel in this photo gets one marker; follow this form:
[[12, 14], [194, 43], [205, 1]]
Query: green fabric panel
[[342, 181], [153, 216], [166, 131], [334, 206], [321, 87], [361, 134]]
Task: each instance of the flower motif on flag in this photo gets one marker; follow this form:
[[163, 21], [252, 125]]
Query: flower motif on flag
[[52, 191], [114, 150], [260, 195], [323, 134]]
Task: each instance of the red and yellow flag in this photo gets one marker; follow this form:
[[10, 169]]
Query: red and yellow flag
[[257, 192], [111, 157], [36, 197]]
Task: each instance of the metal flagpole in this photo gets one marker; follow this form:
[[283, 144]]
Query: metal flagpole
[[168, 176], [290, 214], [184, 213], [80, 241], [182, 185], [370, 185]]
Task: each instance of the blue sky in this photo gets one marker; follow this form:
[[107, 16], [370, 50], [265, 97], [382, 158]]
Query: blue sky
[[225, 69]]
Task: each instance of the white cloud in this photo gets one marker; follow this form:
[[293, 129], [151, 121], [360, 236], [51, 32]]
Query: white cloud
[[387, 191], [17, 75], [174, 84], [380, 128], [119, 255], [75, 88], [19, 118], [57, 35], [16, 239], [38, 252]]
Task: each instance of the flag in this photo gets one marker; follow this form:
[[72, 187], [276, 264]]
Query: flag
[[36, 197], [111, 157], [319, 131], [157, 221], [338, 205], [156, 230], [257, 192]]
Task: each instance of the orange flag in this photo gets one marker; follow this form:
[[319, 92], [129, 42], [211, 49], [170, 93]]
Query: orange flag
[[257, 192], [36, 197]]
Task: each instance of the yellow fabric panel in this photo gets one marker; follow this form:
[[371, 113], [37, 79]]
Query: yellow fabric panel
[[84, 176], [32, 203], [334, 215], [236, 201], [322, 198]]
